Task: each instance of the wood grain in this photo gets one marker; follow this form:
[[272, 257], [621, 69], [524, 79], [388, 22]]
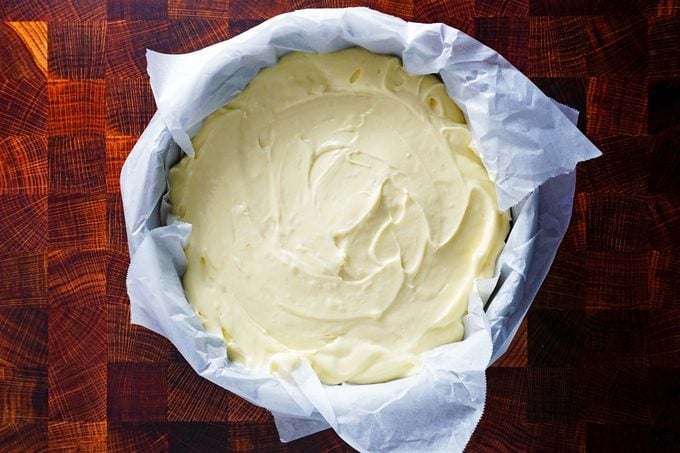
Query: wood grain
[[77, 164], [127, 342], [23, 221], [557, 47], [23, 395], [183, 385], [25, 106], [117, 150], [24, 282], [81, 436], [129, 106], [595, 365], [126, 44], [77, 221], [517, 354], [116, 271], [34, 37], [24, 343], [76, 50], [76, 107], [137, 392], [24, 165]]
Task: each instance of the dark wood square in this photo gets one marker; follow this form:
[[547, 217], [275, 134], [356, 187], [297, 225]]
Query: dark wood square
[[137, 392], [664, 109], [129, 106], [183, 385], [621, 169], [76, 107], [664, 384], [617, 280], [617, 337], [23, 343], [77, 221], [23, 395], [625, 53], [23, 160], [126, 44], [507, 35], [24, 280], [137, 9], [23, 221], [664, 52], [198, 437], [629, 437], [665, 213], [77, 50], [188, 35], [24, 109], [618, 395], [77, 164], [663, 279], [77, 361], [664, 338], [617, 222], [557, 47], [556, 338], [616, 107], [565, 287], [556, 395], [665, 162], [128, 342]]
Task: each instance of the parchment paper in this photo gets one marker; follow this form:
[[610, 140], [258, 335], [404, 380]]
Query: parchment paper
[[528, 143]]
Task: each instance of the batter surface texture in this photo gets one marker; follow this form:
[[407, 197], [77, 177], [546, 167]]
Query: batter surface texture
[[339, 216]]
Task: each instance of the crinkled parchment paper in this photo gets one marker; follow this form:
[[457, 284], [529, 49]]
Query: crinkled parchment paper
[[527, 142]]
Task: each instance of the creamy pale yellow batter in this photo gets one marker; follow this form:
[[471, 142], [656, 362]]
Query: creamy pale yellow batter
[[339, 215]]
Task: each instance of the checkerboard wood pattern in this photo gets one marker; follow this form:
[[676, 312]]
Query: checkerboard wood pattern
[[596, 364]]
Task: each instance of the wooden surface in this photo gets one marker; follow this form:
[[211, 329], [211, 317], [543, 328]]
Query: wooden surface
[[596, 365]]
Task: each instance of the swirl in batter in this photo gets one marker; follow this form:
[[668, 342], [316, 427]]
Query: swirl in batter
[[338, 215]]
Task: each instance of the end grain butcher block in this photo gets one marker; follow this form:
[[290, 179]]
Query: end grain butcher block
[[596, 364]]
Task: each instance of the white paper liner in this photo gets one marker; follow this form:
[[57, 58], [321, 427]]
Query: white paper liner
[[528, 143]]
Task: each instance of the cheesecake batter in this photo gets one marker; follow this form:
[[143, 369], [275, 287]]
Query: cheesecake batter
[[339, 216]]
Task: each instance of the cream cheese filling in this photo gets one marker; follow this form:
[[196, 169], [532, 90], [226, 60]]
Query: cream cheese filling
[[338, 215]]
